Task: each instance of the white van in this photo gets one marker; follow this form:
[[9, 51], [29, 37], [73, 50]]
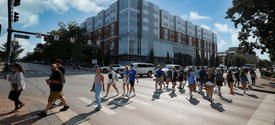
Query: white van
[[144, 68]]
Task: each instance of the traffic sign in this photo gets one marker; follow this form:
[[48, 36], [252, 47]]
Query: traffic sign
[[89, 42], [22, 36]]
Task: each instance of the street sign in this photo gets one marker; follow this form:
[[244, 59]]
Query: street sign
[[38, 35], [89, 42], [56, 38], [94, 61], [22, 36], [72, 39]]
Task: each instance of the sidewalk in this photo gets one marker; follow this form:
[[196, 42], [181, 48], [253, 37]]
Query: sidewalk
[[264, 85], [27, 114]]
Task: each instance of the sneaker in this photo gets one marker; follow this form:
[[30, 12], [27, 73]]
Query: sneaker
[[42, 114], [98, 108], [65, 108]]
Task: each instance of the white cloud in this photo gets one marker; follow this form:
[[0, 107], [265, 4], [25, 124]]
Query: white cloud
[[206, 27], [196, 16], [27, 47], [185, 17], [222, 46], [223, 28]]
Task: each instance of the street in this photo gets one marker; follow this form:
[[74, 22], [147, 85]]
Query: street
[[146, 108]]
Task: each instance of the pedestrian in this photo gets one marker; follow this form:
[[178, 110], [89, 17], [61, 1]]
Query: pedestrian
[[191, 81], [17, 86], [219, 81], [237, 76], [202, 78], [181, 76], [253, 76], [197, 74], [230, 81], [159, 78], [132, 76], [56, 85], [244, 80], [98, 85], [174, 77], [58, 63], [169, 75], [125, 81], [210, 84], [112, 81], [185, 78]]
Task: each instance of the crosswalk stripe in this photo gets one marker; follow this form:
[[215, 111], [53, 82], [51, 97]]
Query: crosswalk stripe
[[104, 109]]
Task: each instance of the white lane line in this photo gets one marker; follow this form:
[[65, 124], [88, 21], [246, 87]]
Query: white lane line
[[104, 109], [265, 112], [70, 115]]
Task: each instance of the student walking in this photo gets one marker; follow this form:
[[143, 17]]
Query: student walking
[[56, 85], [219, 81], [210, 84], [125, 81], [202, 78], [97, 87], [58, 63], [132, 76], [17, 86], [253, 76], [244, 80], [181, 76], [112, 81], [230, 81], [169, 76], [197, 74], [237, 76], [159, 78], [174, 77], [191, 81]]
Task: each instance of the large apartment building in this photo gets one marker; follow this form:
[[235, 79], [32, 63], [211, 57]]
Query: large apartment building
[[130, 29]]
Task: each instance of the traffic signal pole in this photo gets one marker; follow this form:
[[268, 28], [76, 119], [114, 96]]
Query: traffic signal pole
[[9, 31]]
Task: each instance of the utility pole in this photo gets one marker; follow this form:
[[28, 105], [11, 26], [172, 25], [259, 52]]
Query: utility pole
[[9, 30]]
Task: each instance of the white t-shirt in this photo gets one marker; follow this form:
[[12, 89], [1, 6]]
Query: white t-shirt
[[18, 79]]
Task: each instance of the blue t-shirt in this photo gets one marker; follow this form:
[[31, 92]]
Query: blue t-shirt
[[126, 73], [159, 73], [191, 79], [132, 75]]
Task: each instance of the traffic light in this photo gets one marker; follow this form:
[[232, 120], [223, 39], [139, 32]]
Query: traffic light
[[16, 3], [45, 38], [16, 17]]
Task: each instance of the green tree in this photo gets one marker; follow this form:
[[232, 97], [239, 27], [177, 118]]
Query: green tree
[[264, 63], [198, 60], [205, 62], [168, 59], [238, 61], [179, 59], [151, 56], [107, 58], [217, 61], [257, 20], [212, 60], [16, 50]]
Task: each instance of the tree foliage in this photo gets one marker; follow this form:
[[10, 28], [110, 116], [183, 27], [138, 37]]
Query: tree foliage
[[238, 61], [16, 50], [217, 61], [168, 59], [151, 56], [264, 63], [198, 60], [257, 20], [212, 60]]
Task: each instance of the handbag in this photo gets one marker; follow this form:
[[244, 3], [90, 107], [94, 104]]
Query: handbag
[[12, 95], [93, 88]]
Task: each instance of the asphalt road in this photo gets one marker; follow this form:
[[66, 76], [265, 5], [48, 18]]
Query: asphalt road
[[148, 108]]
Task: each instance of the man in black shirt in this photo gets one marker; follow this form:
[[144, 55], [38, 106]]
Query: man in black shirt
[[58, 63], [56, 85]]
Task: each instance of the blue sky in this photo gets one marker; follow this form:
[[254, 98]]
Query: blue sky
[[43, 16]]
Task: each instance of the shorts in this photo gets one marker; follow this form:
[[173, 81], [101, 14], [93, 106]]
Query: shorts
[[202, 83], [209, 83], [125, 82], [230, 80], [159, 80], [192, 85], [110, 81], [132, 83], [54, 96], [219, 83], [181, 79]]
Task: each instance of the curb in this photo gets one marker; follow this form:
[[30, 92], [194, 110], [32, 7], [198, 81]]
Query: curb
[[260, 90]]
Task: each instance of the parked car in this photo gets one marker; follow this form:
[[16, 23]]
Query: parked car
[[233, 68], [144, 68], [188, 67], [116, 67], [249, 67], [170, 66]]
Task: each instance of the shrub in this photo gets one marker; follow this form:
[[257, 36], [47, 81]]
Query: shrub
[[273, 75]]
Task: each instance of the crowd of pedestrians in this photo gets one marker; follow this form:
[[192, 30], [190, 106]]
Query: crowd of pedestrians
[[199, 77]]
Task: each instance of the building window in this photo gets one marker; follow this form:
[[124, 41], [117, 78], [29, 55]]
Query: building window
[[165, 34], [112, 29]]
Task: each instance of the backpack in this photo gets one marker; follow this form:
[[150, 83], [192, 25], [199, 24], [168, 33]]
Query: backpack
[[219, 78]]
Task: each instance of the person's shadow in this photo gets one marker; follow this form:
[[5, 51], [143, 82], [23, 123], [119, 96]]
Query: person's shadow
[[173, 95], [252, 95], [156, 96], [236, 93], [182, 91], [228, 100], [217, 106], [193, 101], [80, 118], [25, 119]]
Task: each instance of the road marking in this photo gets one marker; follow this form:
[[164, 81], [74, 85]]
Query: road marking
[[104, 109], [71, 116], [265, 112]]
